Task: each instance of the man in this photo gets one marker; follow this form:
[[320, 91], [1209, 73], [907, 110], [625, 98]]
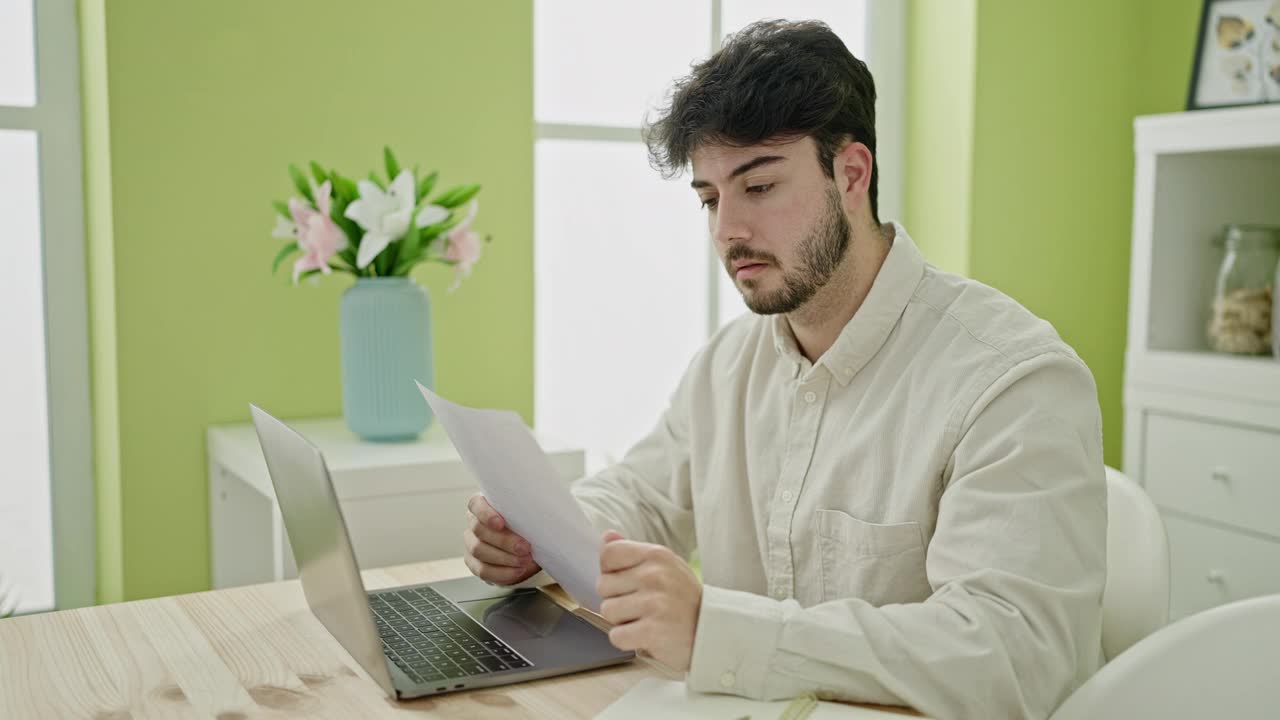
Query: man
[[893, 475]]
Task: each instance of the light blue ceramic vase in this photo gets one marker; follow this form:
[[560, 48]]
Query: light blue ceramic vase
[[386, 345]]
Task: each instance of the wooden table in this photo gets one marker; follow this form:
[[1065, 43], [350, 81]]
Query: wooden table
[[247, 652]]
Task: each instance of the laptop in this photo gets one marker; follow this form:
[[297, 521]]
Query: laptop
[[424, 639]]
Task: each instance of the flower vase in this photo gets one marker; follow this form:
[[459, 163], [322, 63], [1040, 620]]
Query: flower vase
[[386, 346]]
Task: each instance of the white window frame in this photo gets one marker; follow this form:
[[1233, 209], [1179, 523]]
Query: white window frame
[[886, 57], [55, 118]]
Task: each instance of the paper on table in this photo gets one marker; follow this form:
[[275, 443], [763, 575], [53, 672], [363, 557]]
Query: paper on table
[[671, 700], [519, 482]]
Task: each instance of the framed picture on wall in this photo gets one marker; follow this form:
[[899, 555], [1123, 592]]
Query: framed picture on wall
[[1237, 54]]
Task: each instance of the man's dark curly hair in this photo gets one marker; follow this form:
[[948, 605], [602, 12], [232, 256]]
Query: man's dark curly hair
[[775, 80]]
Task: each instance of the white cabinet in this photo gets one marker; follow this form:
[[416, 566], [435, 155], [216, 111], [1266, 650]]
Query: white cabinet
[[403, 502], [1202, 429]]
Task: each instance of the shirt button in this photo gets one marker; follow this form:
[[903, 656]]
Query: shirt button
[[786, 496], [848, 371], [728, 679], [810, 396]]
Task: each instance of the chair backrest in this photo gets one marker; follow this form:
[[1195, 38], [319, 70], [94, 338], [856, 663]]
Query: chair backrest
[[1135, 602], [1220, 663]]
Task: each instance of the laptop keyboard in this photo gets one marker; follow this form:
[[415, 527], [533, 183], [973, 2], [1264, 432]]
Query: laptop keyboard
[[432, 640]]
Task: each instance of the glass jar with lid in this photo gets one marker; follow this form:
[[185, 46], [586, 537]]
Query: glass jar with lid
[[1240, 319]]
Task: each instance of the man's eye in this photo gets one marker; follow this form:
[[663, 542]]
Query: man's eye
[[760, 189], [710, 203]]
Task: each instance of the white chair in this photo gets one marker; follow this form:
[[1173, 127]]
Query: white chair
[[1220, 663], [1135, 601]]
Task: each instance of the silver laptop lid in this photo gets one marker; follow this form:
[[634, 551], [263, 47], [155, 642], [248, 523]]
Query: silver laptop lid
[[321, 546]]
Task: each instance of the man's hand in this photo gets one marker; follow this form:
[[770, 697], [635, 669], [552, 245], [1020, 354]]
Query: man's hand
[[494, 552], [652, 598]]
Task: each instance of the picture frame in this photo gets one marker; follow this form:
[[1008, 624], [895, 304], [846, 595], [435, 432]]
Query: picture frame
[[1237, 60]]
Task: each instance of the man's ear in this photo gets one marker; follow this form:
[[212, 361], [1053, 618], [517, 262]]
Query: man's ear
[[852, 168]]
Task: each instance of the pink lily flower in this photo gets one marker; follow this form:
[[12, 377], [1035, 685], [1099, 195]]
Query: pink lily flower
[[463, 246], [319, 236]]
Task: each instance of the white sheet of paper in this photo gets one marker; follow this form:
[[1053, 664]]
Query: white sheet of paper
[[520, 482], [671, 700]]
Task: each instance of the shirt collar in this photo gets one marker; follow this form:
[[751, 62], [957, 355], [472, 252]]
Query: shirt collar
[[870, 326]]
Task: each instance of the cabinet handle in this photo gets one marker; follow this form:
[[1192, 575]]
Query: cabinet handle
[[1220, 475], [1215, 577]]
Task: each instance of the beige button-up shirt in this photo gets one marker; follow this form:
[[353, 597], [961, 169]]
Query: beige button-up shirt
[[918, 518]]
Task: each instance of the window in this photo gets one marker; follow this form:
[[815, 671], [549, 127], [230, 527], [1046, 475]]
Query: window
[[46, 496], [627, 286]]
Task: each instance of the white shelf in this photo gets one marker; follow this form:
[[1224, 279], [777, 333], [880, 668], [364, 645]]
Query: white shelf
[[1195, 173], [1252, 129], [1251, 379]]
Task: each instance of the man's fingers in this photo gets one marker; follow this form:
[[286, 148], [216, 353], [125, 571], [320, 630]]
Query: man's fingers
[[484, 512], [490, 555], [496, 573], [617, 584], [508, 576], [623, 554], [502, 539], [474, 565], [624, 609], [631, 636]]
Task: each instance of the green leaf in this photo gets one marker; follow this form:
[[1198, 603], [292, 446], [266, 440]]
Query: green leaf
[[283, 209], [457, 196], [319, 173], [337, 262], [393, 167], [387, 258], [412, 242], [348, 255], [349, 228], [405, 265], [410, 254], [300, 182], [454, 218], [374, 179], [425, 185], [344, 188], [285, 252]]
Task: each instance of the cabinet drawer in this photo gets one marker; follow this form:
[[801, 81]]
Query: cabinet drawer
[[1209, 566], [1221, 472]]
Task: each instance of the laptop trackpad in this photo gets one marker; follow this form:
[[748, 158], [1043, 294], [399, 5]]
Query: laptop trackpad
[[545, 633], [517, 617]]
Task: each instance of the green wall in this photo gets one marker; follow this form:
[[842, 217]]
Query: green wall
[[193, 111], [1046, 183], [941, 42]]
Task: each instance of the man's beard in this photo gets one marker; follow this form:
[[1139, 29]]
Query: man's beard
[[819, 255]]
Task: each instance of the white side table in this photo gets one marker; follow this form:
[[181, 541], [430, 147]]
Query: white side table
[[403, 502]]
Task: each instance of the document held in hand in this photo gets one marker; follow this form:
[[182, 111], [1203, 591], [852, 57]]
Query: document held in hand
[[520, 483]]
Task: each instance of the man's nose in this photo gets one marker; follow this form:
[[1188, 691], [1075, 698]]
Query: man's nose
[[730, 226]]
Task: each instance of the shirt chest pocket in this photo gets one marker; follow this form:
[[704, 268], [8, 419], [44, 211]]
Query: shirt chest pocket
[[879, 563]]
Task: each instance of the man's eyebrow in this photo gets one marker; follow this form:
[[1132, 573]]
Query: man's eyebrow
[[744, 167]]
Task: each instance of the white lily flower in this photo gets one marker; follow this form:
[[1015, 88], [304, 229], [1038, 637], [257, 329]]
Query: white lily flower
[[430, 215], [384, 216], [285, 229]]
